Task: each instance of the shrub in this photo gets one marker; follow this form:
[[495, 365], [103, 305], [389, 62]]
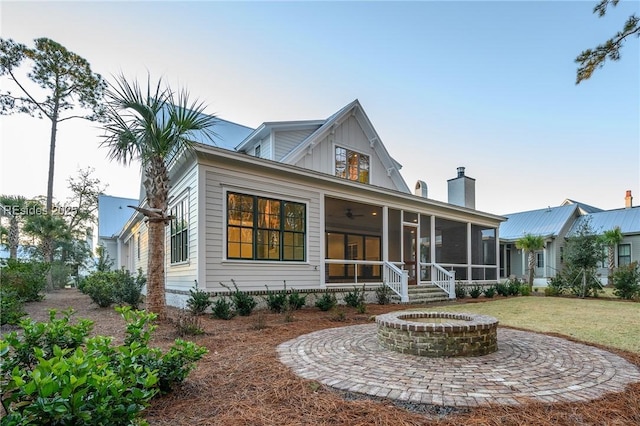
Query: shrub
[[128, 289], [243, 302], [276, 300], [475, 291], [354, 298], [222, 309], [60, 274], [383, 294], [198, 301], [296, 301], [489, 292], [326, 302], [100, 287], [53, 374], [626, 281], [461, 291], [513, 286], [26, 278], [11, 307], [555, 286], [502, 289], [525, 290]]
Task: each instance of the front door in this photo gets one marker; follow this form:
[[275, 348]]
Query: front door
[[410, 252]]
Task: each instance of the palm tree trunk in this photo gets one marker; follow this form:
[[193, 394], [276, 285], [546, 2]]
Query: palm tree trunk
[[612, 264], [532, 264], [14, 237], [155, 270]]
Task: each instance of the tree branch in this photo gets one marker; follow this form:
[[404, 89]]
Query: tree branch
[[36, 103]]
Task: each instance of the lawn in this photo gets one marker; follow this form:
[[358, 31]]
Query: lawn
[[605, 322]]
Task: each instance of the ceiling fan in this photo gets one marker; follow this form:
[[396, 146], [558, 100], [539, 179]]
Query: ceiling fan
[[351, 215]]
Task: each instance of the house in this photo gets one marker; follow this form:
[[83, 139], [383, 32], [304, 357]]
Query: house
[[113, 213], [319, 204], [555, 225]]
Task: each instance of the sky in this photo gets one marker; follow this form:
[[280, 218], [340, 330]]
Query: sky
[[489, 86]]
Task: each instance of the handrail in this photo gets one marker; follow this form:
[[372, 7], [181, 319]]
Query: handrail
[[444, 279], [397, 280]]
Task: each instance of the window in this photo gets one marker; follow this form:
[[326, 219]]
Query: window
[[180, 232], [540, 260], [352, 165], [257, 151], [624, 254], [260, 228]]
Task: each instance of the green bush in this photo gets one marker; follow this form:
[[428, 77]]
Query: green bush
[[222, 309], [502, 289], [383, 294], [276, 301], [198, 301], [326, 302], [475, 291], [243, 302], [555, 286], [626, 281], [355, 298], [108, 287], [60, 274], [461, 291], [26, 278], [11, 306], [513, 286], [296, 301], [524, 290], [53, 374], [489, 292]]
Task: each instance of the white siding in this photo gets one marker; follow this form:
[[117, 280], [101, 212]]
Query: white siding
[[254, 275], [348, 135], [138, 248], [285, 141], [182, 276]]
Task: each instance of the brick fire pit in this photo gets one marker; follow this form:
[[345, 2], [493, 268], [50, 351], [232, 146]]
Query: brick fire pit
[[438, 334]]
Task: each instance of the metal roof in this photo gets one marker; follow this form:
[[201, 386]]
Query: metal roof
[[627, 219], [227, 135], [544, 222], [113, 213]]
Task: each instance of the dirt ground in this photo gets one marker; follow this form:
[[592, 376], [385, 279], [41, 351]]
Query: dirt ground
[[241, 382]]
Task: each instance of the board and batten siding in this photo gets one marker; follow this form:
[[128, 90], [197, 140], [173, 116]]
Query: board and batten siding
[[351, 136], [285, 141], [182, 276], [254, 275]]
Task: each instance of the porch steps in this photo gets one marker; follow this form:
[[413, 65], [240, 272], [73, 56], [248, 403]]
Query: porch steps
[[425, 293]]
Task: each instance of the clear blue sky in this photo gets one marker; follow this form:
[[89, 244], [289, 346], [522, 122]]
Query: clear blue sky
[[485, 85]]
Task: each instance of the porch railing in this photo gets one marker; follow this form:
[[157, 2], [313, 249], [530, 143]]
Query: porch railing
[[444, 279], [397, 280]]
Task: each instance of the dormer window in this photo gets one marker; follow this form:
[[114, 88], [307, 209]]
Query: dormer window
[[352, 165], [257, 151]]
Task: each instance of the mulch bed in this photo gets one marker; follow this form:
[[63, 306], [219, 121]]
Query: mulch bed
[[241, 382]]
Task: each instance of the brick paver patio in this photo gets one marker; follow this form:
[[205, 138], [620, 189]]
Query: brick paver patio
[[527, 367]]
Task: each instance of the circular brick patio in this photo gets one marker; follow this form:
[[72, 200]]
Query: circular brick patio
[[527, 367]]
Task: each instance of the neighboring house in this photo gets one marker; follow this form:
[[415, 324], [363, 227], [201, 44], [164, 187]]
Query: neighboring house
[[319, 204], [555, 224], [113, 213]]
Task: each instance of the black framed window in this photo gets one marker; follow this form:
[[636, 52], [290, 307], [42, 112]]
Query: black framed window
[[180, 231], [260, 228], [352, 165], [624, 254]]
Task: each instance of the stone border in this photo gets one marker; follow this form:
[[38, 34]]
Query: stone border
[[477, 336]]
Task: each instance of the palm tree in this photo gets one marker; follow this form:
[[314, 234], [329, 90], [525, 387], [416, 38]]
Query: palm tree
[[531, 243], [154, 126], [12, 206], [611, 239]]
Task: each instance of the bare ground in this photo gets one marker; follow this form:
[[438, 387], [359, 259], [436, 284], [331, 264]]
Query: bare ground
[[241, 382]]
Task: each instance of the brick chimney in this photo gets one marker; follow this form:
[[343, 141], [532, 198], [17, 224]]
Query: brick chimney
[[628, 200]]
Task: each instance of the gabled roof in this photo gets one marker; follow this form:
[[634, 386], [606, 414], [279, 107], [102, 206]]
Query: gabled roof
[[585, 208], [265, 130], [113, 213], [544, 222], [353, 108], [627, 219]]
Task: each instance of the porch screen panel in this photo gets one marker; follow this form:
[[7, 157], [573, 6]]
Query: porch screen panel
[[425, 246], [355, 251], [452, 247], [372, 250], [335, 250], [395, 235], [483, 245]]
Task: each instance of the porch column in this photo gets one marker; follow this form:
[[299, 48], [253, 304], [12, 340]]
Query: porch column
[[498, 260], [469, 257], [432, 241], [385, 233]]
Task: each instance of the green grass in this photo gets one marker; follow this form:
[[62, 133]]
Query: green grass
[[607, 322]]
